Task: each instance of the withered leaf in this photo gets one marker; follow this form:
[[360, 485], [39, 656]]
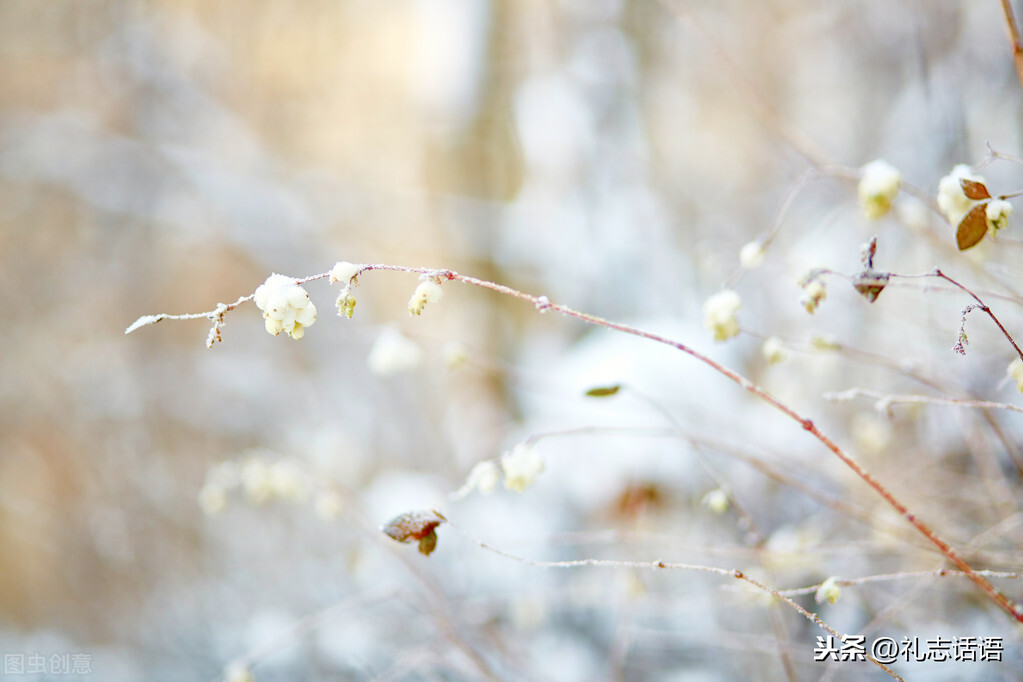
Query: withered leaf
[[428, 543], [603, 391], [972, 228], [870, 284], [974, 190], [416, 526]]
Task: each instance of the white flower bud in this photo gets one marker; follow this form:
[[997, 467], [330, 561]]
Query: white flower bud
[[716, 501], [428, 291], [719, 314], [952, 201], [751, 254], [343, 271], [998, 212], [521, 466], [813, 294], [773, 350], [879, 184], [829, 591], [345, 304], [1015, 372]]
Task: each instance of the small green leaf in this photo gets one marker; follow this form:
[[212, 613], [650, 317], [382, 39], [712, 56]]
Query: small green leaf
[[603, 391], [972, 228]]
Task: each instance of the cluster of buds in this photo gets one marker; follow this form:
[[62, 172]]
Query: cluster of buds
[[286, 306]]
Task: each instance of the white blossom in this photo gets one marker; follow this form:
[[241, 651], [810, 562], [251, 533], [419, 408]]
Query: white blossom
[[952, 201], [484, 477], [343, 271], [719, 314], [751, 254], [428, 291], [813, 294], [521, 466], [1015, 372], [879, 184], [997, 213], [286, 306], [829, 591], [393, 353], [716, 501], [773, 350]]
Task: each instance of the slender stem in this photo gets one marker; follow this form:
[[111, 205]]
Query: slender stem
[[666, 565], [543, 304], [1017, 46], [983, 306]]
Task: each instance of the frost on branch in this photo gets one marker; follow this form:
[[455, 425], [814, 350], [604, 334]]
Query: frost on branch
[[143, 321]]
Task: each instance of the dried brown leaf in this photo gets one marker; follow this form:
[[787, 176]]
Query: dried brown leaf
[[974, 190], [414, 526], [972, 228], [870, 284]]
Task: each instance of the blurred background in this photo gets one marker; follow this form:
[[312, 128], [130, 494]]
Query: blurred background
[[175, 512]]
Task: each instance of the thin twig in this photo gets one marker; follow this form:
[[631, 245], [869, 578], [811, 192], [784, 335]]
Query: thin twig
[[884, 400], [888, 577], [666, 565], [1017, 47]]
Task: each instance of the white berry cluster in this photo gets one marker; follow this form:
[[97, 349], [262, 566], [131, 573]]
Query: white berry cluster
[[286, 306], [520, 468], [879, 185], [720, 314]]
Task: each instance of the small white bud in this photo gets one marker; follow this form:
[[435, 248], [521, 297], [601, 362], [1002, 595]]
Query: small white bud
[[719, 314], [428, 291], [997, 213], [813, 294], [343, 271], [879, 184], [773, 350], [345, 304], [829, 591], [751, 254], [1015, 372], [952, 201], [521, 466], [716, 501]]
